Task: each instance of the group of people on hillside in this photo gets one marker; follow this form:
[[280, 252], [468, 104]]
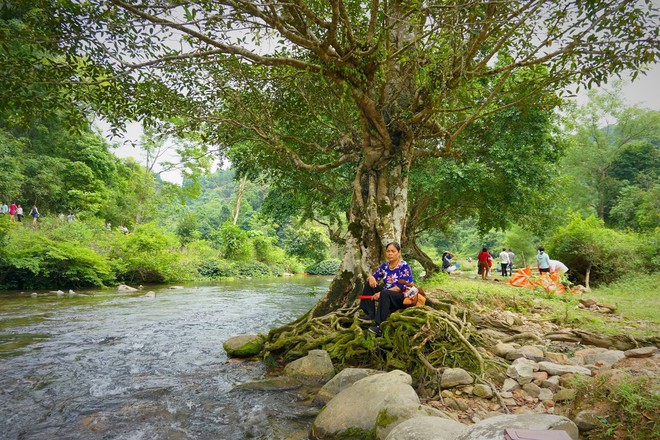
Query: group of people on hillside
[[506, 259], [485, 262], [16, 212]]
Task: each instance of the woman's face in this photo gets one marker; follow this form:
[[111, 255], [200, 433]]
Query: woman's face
[[392, 253]]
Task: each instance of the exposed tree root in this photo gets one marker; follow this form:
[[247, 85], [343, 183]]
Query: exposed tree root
[[419, 340]]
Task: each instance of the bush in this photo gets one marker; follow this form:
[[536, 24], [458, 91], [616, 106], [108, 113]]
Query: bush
[[265, 249], [325, 267], [32, 259], [309, 244], [252, 269], [149, 255], [233, 242], [586, 244]]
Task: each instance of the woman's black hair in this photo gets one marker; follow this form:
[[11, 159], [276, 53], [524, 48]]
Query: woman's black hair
[[541, 248], [484, 249], [395, 244]]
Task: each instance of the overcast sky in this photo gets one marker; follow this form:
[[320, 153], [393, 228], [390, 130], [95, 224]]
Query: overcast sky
[[645, 91]]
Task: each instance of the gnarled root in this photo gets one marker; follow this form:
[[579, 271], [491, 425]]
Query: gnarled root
[[418, 340]]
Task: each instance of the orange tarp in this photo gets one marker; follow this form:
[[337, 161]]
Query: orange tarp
[[551, 282]]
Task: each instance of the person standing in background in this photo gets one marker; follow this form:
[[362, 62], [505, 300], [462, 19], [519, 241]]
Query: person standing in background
[[504, 261], [12, 212], [511, 257], [4, 209], [483, 258], [34, 212], [543, 260], [19, 213]]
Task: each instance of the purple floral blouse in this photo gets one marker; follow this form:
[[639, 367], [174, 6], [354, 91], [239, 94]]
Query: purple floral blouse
[[391, 277]]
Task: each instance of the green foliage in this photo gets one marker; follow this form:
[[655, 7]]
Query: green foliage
[[612, 166], [233, 242], [265, 249], [325, 267], [149, 255], [586, 244], [187, 228], [633, 404], [308, 243], [34, 259]]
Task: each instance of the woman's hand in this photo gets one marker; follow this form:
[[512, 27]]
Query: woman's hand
[[376, 296], [372, 281]]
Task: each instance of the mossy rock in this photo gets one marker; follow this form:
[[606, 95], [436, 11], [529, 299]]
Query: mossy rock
[[244, 346]]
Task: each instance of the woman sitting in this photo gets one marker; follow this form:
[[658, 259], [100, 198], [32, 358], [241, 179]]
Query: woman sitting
[[447, 265], [395, 275]]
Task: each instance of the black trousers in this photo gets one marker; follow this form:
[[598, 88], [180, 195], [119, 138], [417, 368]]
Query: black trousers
[[390, 301], [504, 266]]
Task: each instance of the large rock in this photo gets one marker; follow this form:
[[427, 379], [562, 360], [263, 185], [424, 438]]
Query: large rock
[[392, 416], [243, 346], [502, 348], [492, 428], [587, 420], [522, 372], [455, 376], [125, 288], [352, 413], [604, 359], [526, 351], [314, 369], [427, 428], [641, 352], [344, 379], [558, 370]]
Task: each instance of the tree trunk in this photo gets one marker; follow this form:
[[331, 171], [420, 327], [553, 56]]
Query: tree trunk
[[411, 248], [239, 197], [586, 277], [376, 216]]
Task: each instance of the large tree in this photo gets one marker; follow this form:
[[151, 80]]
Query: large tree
[[613, 146], [387, 83]]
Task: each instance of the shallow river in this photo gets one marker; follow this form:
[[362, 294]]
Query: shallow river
[[123, 366]]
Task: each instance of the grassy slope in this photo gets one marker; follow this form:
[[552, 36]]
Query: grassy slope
[[636, 297]]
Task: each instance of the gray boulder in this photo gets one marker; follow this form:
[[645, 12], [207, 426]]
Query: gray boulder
[[605, 359], [243, 346], [344, 379], [587, 420], [526, 351], [352, 413], [558, 370], [125, 288], [641, 352], [455, 376], [427, 428], [314, 369], [392, 416], [492, 428]]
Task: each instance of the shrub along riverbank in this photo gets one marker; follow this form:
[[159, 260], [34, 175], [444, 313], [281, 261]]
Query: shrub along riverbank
[[61, 254]]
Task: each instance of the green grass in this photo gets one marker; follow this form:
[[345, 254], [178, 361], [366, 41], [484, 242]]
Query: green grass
[[636, 298]]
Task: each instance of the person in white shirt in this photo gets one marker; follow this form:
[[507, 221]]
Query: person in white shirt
[[558, 266], [504, 261]]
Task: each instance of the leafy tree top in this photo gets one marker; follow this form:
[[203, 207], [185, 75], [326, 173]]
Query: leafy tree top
[[436, 66]]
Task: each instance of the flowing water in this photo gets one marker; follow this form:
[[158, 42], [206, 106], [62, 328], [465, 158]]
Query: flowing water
[[124, 366]]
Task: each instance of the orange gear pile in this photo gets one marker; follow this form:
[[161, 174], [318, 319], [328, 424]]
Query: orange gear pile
[[550, 282]]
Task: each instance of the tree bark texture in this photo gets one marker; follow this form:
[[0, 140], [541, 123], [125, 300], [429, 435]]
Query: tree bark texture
[[377, 216]]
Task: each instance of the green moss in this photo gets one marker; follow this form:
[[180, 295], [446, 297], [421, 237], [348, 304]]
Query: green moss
[[356, 434], [384, 419], [252, 348]]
